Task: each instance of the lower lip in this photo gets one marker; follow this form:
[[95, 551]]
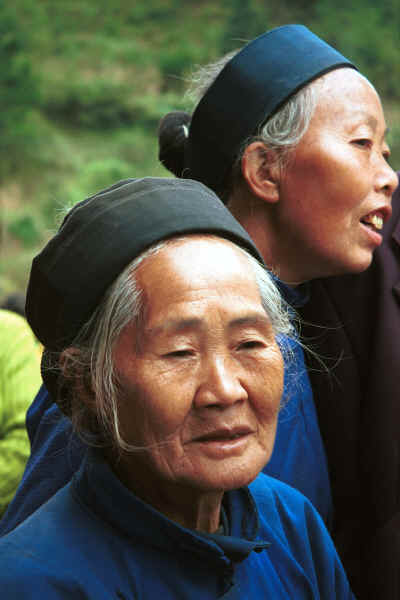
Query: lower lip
[[374, 236], [219, 448]]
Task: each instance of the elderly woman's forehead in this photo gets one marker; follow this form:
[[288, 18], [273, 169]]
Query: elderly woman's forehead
[[191, 276], [192, 253], [344, 76]]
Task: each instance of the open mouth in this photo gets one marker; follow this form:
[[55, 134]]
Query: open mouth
[[373, 220], [224, 435], [220, 437]]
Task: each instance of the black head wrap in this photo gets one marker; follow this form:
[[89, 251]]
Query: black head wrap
[[250, 89]]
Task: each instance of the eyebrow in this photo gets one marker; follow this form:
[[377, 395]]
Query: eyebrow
[[372, 121]]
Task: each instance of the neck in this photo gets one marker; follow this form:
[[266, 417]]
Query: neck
[[192, 508], [259, 220]]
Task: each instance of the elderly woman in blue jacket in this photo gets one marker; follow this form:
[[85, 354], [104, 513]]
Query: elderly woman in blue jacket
[[162, 332]]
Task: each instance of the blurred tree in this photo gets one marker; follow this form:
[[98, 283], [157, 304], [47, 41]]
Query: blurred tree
[[242, 24], [106, 73], [19, 88], [369, 34]]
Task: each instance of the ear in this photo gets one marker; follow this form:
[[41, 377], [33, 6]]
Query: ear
[[260, 170]]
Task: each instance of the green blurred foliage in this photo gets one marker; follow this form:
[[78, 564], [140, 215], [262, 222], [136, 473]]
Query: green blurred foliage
[[242, 24], [368, 33], [99, 104], [84, 84], [93, 176], [19, 95], [25, 229], [176, 58]]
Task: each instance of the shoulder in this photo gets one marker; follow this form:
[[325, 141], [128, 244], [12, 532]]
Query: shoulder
[[298, 535], [13, 328], [47, 530], [18, 348], [9, 318], [13, 324], [288, 515], [40, 547], [269, 492]]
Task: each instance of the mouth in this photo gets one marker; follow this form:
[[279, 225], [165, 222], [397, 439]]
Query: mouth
[[225, 434], [224, 442], [376, 219]]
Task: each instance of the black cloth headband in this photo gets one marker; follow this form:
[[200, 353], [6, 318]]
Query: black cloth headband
[[102, 235], [248, 90]]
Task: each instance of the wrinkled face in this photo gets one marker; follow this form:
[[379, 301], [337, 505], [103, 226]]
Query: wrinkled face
[[201, 392], [336, 191]]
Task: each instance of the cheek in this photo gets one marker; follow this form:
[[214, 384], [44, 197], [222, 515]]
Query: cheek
[[324, 214], [267, 384], [155, 414], [336, 185]]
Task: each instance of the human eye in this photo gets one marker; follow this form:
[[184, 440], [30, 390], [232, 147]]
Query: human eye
[[363, 142], [182, 353], [386, 154], [254, 344]]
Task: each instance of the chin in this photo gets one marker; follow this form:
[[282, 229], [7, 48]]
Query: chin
[[229, 478], [241, 476], [359, 266], [351, 266]]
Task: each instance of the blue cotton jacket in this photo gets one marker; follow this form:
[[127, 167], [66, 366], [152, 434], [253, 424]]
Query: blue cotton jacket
[[298, 458], [96, 540]]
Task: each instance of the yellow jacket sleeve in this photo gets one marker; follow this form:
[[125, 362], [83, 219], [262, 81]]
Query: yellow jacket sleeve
[[19, 381]]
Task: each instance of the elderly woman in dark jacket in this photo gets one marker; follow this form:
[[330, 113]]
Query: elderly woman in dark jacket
[[162, 348], [309, 180], [353, 321]]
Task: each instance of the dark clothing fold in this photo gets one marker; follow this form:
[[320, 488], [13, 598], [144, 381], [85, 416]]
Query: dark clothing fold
[[353, 323]]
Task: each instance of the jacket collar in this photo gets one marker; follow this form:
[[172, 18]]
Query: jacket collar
[[103, 493]]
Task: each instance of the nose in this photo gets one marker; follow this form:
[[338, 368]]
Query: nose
[[386, 179], [221, 384]]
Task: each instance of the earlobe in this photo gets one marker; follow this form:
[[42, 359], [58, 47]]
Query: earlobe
[[260, 170]]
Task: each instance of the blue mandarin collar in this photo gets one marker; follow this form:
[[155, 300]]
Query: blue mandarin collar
[[96, 486]]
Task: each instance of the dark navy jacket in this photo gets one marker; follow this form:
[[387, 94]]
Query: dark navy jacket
[[96, 540], [353, 322]]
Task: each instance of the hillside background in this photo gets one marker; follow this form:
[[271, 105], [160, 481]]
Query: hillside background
[[85, 82]]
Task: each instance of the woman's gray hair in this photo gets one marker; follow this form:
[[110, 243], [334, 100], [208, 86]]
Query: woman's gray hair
[[88, 365]]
